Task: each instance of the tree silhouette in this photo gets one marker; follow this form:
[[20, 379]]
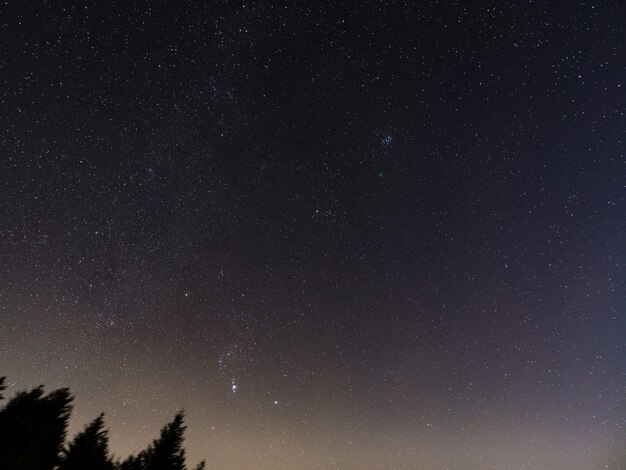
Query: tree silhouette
[[165, 453], [33, 428], [131, 463], [89, 449]]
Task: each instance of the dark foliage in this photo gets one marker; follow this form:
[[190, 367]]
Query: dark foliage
[[132, 463], [33, 429], [89, 449], [165, 453]]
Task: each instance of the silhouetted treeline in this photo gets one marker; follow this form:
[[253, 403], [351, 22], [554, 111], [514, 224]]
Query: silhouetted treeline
[[33, 431]]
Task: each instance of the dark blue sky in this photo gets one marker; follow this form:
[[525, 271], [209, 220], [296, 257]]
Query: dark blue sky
[[340, 235]]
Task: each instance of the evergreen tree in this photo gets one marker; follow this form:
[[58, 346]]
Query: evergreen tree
[[132, 463], [89, 449], [33, 428], [167, 453]]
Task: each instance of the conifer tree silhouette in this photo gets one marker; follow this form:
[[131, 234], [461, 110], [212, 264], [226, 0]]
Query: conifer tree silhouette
[[89, 449], [165, 453], [33, 428], [132, 463]]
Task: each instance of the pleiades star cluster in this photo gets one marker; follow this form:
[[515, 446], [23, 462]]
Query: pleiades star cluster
[[340, 235]]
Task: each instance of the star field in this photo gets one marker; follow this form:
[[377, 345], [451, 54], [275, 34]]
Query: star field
[[369, 235]]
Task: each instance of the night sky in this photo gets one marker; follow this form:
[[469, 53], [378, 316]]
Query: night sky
[[340, 235]]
